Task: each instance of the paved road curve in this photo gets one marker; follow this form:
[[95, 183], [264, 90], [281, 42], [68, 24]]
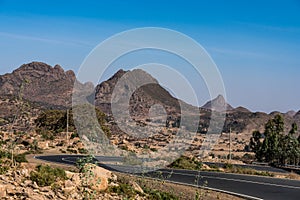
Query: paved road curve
[[259, 187]]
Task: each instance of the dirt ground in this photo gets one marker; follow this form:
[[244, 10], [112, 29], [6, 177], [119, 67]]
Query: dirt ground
[[181, 191]]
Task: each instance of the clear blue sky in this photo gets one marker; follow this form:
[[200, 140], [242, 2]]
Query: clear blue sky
[[255, 44]]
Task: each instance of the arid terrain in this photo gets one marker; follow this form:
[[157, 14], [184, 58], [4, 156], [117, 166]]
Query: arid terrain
[[34, 100], [35, 87]]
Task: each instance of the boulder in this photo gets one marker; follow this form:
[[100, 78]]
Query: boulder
[[136, 187], [74, 177], [69, 183], [10, 189], [96, 177], [2, 191], [68, 190]]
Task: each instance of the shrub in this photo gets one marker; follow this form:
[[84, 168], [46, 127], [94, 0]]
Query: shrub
[[241, 170], [186, 163], [159, 195], [46, 175], [74, 135], [47, 135], [228, 166], [72, 150], [20, 158], [128, 191], [55, 121], [212, 155], [5, 154], [83, 151], [123, 189], [3, 169]]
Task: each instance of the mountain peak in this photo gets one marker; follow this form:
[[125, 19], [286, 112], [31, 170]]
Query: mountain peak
[[218, 104], [41, 82], [118, 74], [220, 98], [291, 113], [142, 97]]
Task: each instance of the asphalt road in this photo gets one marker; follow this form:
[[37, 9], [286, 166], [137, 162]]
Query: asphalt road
[[254, 186]]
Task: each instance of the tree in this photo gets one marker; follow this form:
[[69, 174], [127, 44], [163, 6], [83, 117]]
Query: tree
[[276, 147], [273, 130], [291, 143], [255, 144], [294, 129], [55, 121]]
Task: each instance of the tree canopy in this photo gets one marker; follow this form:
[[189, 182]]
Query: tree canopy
[[274, 146]]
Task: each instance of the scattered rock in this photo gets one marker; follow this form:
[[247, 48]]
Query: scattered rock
[[97, 177], [136, 187], [2, 191], [68, 190]]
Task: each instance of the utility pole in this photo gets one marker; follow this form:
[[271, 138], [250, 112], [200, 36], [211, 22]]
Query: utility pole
[[67, 126], [229, 143]]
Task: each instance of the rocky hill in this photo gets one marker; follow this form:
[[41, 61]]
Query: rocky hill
[[51, 87], [218, 104], [142, 98], [39, 83]]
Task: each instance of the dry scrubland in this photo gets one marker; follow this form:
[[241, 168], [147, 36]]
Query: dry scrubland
[[33, 103]]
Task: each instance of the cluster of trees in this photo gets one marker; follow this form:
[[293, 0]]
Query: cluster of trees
[[274, 146], [51, 122]]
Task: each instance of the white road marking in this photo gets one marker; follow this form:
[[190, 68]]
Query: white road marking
[[240, 180]]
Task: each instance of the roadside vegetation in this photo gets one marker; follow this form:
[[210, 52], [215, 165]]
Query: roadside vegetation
[[274, 146], [47, 176], [184, 162], [125, 186], [6, 160], [229, 168]]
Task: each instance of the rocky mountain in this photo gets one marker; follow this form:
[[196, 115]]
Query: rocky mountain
[[52, 87], [218, 104], [142, 98], [291, 113], [39, 83]]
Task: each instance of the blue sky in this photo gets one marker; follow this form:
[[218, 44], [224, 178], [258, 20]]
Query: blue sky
[[255, 44]]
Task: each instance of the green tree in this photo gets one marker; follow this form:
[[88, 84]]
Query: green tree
[[256, 145], [292, 151], [276, 147], [294, 129], [54, 121], [273, 130]]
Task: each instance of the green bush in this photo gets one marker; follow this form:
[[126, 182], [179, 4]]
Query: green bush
[[55, 121], [46, 175], [47, 135], [74, 135], [153, 149], [5, 154], [3, 169], [123, 189], [20, 158], [186, 163], [159, 195], [72, 150], [228, 166], [83, 151]]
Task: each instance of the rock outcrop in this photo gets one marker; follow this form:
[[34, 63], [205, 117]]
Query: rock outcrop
[[39, 83], [218, 104], [52, 87]]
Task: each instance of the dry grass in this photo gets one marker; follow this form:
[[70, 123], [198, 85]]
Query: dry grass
[[180, 191]]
